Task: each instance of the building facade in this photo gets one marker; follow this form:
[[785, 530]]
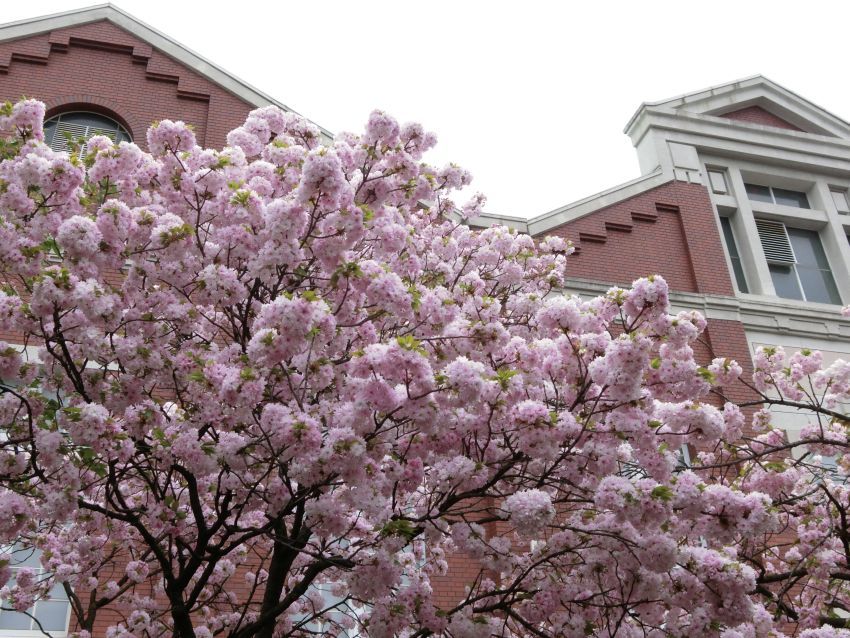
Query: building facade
[[742, 204]]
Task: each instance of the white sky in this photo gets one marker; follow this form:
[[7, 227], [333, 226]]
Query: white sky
[[530, 96]]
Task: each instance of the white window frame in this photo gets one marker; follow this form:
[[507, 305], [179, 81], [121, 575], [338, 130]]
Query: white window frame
[[34, 632], [718, 180], [794, 264]]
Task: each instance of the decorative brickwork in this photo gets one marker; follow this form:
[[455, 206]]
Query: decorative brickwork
[[670, 230], [101, 67]]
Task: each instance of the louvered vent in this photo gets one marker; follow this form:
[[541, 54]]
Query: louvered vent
[[774, 240], [63, 131], [69, 128], [76, 132]]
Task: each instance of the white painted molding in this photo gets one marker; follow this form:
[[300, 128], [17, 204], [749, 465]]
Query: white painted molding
[[753, 90]]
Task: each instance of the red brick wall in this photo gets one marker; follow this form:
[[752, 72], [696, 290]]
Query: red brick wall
[[669, 230], [101, 67], [758, 115]]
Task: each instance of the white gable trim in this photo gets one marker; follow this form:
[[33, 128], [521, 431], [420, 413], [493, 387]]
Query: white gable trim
[[756, 90]]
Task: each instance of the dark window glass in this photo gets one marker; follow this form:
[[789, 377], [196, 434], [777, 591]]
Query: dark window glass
[[759, 193], [818, 285], [790, 198], [813, 267], [781, 196], [785, 281], [734, 255]]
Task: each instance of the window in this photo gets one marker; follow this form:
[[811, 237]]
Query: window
[[52, 612], [797, 262], [839, 198], [734, 255], [80, 127], [773, 195]]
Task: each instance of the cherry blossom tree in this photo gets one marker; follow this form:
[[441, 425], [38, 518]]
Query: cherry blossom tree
[[803, 564], [277, 389]]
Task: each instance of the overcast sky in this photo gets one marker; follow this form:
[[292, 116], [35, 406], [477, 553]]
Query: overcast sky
[[531, 97]]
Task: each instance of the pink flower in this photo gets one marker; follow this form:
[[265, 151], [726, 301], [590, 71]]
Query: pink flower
[[530, 511], [80, 236]]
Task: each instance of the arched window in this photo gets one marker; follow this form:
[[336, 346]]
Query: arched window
[[64, 129]]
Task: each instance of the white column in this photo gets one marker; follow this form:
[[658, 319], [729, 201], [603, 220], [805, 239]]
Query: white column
[[749, 245]]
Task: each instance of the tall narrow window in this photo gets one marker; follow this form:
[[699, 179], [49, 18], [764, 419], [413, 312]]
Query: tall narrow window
[[812, 267], [734, 255]]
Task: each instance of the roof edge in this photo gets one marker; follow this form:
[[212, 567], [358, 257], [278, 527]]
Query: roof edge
[[570, 212], [741, 83], [589, 205], [682, 97]]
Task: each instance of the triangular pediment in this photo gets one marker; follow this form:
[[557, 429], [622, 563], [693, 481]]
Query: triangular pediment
[[755, 101], [756, 114]]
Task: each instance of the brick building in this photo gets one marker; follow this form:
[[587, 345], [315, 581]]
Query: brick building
[[742, 203], [105, 62]]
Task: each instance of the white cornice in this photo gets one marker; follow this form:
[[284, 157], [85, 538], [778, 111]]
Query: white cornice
[[157, 39], [756, 89], [702, 127], [717, 134]]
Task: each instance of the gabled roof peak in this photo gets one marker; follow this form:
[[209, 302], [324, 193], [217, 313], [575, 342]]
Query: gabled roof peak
[[758, 91], [145, 32]]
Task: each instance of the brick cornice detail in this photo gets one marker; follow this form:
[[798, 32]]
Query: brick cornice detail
[[624, 223], [37, 50]]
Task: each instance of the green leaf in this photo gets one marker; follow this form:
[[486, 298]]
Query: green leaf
[[408, 342], [504, 376], [73, 414], [706, 374], [368, 213], [662, 492]]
